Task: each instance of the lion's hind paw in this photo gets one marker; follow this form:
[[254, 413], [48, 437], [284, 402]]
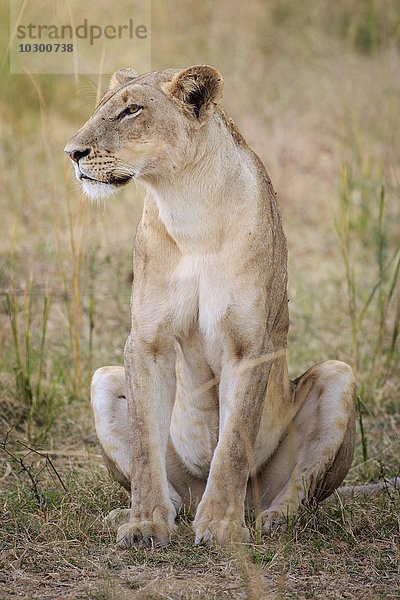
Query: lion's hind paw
[[274, 519], [117, 517]]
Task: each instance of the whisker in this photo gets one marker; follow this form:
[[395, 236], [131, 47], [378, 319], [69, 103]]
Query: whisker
[[124, 167], [123, 172], [123, 163]]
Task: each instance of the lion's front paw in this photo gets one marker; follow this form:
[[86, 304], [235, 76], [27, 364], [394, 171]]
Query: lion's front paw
[[222, 532], [144, 534]]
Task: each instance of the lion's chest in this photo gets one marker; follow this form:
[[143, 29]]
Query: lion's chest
[[199, 298]]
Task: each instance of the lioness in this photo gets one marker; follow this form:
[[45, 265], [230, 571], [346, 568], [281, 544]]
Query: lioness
[[204, 412]]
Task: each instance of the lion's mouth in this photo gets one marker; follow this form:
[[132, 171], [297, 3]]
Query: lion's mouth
[[113, 180]]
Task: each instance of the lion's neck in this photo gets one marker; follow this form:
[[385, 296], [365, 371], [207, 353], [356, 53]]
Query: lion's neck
[[209, 201]]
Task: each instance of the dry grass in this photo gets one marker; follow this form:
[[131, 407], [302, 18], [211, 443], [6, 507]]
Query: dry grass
[[63, 549], [314, 87]]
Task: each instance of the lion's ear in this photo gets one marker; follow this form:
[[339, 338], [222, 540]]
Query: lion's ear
[[122, 76], [199, 88]]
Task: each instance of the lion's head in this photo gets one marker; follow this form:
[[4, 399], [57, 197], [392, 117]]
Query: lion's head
[[144, 127]]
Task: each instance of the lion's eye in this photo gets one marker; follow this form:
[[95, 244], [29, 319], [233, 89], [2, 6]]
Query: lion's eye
[[130, 111]]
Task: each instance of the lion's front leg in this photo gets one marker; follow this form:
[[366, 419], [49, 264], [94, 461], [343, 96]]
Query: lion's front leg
[[220, 514], [150, 382]]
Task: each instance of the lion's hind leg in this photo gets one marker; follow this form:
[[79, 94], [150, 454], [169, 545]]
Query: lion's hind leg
[[315, 455], [110, 411]]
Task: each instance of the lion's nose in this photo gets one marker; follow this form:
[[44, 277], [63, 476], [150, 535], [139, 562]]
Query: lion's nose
[[76, 154]]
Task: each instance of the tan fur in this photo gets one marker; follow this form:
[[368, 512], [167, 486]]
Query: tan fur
[[204, 412]]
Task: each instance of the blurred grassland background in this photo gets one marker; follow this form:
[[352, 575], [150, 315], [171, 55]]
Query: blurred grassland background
[[314, 87]]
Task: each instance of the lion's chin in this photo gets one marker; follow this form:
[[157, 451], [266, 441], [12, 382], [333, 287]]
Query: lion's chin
[[97, 190]]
